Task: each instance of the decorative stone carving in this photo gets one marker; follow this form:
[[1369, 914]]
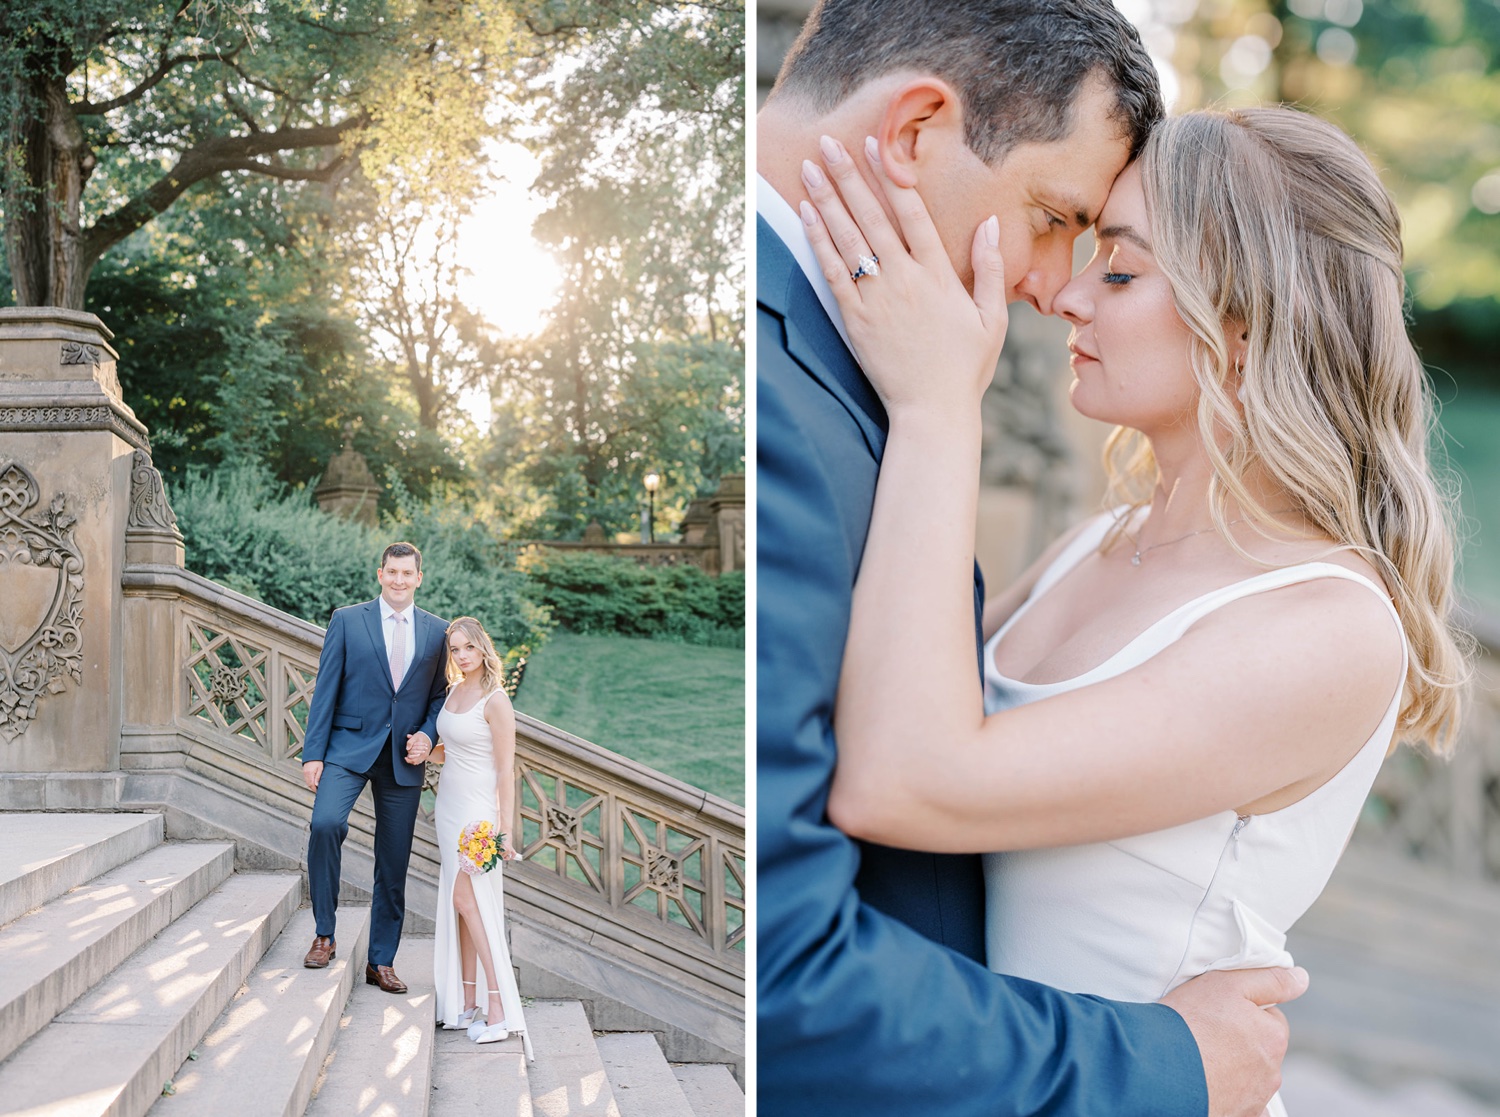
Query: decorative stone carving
[[71, 419], [227, 684], [149, 509], [77, 353], [663, 870], [41, 614], [562, 825]]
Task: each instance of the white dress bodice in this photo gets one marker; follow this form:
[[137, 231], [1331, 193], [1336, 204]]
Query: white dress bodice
[[1132, 919]]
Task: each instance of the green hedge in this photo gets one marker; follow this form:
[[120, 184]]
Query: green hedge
[[246, 531], [600, 594]]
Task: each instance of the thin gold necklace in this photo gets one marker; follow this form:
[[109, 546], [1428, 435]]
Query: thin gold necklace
[[1141, 552]]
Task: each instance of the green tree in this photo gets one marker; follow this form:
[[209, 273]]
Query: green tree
[[639, 129], [115, 109], [1417, 84]]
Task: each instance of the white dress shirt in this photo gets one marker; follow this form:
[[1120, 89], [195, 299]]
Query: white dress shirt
[[388, 629], [786, 223]]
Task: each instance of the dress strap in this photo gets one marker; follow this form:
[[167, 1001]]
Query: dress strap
[[1174, 624]]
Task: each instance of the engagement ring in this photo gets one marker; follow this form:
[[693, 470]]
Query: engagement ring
[[868, 265]]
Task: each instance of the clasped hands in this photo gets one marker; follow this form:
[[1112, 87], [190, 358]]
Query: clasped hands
[[418, 749]]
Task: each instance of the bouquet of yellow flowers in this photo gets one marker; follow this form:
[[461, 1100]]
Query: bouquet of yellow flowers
[[480, 849]]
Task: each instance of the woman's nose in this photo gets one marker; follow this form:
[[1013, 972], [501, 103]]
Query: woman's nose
[[1073, 303]]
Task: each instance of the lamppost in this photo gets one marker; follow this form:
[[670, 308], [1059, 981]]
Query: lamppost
[[651, 480]]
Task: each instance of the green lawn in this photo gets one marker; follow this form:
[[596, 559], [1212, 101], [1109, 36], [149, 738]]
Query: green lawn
[[674, 707], [1471, 421]]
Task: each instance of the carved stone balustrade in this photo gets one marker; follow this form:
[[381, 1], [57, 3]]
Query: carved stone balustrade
[[1447, 812], [632, 888]]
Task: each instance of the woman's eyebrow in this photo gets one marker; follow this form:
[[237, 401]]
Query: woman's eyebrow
[[1125, 232]]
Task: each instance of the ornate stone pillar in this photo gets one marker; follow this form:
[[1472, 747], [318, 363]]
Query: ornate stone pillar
[[348, 488], [69, 447], [727, 506]]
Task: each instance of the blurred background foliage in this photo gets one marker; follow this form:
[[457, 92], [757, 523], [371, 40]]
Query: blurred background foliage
[[1417, 84]]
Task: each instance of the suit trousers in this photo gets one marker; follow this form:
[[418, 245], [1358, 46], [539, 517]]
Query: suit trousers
[[395, 819]]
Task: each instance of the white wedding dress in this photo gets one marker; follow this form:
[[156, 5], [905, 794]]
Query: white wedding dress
[[1132, 919], [467, 794]]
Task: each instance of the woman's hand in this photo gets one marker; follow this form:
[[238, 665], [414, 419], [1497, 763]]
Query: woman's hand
[[921, 338]]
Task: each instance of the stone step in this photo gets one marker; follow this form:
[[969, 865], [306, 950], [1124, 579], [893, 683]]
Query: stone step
[[113, 1050], [381, 1064], [492, 1079], [262, 1056], [1313, 1088], [568, 1078], [43, 855], [710, 1089], [639, 1077], [52, 956], [1405, 977]]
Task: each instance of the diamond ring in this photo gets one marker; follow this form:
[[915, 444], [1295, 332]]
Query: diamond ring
[[868, 265]]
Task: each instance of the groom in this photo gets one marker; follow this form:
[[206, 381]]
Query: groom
[[873, 999], [381, 683]]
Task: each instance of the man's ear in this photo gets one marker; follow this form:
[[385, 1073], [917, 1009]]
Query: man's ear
[[922, 121]]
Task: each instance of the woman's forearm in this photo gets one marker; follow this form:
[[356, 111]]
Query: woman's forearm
[[908, 672]]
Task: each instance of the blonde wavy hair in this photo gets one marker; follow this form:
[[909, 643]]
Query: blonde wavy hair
[[1272, 222], [493, 675]]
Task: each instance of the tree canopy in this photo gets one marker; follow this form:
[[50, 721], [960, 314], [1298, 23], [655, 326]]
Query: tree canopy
[[1417, 84], [263, 199], [116, 108]]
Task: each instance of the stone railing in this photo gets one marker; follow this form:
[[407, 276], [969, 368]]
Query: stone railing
[[639, 866], [1447, 811]]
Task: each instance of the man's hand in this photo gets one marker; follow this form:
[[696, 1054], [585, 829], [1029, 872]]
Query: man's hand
[[312, 772], [418, 747], [1241, 1035]]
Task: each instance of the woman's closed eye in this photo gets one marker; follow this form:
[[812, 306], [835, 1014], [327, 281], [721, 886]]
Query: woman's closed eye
[[1117, 278]]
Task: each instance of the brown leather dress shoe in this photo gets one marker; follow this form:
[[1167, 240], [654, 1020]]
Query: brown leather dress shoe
[[321, 954], [385, 977]]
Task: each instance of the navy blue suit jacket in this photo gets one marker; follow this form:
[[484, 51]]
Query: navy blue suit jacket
[[873, 999], [355, 710]]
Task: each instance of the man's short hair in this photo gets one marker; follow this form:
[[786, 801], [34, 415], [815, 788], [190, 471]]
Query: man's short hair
[[401, 550], [1017, 65]]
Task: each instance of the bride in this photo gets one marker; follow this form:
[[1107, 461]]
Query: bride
[[478, 730], [1186, 699]]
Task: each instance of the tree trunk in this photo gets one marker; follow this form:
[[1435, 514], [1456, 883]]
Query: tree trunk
[[49, 261]]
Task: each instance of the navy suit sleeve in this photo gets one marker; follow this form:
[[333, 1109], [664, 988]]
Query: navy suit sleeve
[[439, 692], [860, 1016], [325, 690]]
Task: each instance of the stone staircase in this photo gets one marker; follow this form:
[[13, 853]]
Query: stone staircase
[[1401, 1016], [142, 976]]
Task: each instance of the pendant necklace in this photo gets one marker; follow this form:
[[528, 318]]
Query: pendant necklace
[[1140, 552]]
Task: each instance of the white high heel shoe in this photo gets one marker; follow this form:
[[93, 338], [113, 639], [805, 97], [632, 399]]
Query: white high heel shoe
[[493, 1034], [465, 1018]]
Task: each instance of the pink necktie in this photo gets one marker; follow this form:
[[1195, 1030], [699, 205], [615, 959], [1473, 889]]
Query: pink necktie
[[398, 651]]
